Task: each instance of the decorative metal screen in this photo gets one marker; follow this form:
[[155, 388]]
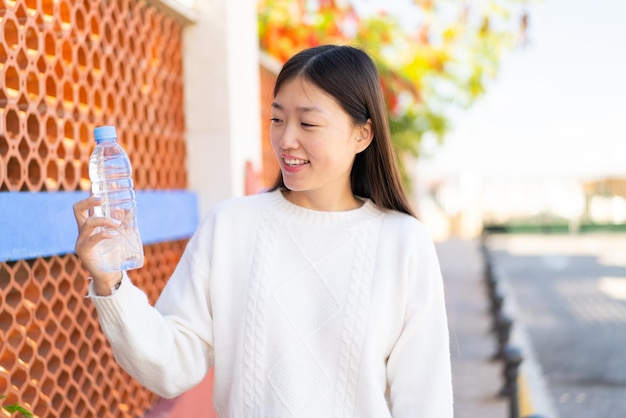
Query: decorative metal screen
[[67, 66]]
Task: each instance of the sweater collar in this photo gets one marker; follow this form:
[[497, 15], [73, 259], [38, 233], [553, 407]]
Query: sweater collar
[[367, 211]]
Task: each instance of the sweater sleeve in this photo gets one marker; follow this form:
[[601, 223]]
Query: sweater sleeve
[[167, 348], [418, 368]]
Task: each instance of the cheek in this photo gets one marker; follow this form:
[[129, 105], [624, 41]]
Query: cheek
[[274, 139], [340, 159]]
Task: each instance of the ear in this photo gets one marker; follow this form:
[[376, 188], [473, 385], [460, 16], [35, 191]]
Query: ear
[[365, 134]]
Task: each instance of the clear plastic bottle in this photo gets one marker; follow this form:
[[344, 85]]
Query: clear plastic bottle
[[111, 180]]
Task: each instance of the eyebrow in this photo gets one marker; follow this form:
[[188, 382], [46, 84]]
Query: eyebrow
[[300, 108]]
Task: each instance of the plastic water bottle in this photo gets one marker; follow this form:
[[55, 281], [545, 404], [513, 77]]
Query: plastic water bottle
[[111, 180]]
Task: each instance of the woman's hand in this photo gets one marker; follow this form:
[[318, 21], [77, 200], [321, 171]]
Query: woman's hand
[[89, 235]]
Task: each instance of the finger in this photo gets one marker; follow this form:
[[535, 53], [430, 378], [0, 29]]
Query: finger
[[94, 231], [90, 241], [88, 203], [86, 249], [82, 207], [90, 225]]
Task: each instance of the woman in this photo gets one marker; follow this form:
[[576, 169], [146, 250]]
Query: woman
[[320, 298]]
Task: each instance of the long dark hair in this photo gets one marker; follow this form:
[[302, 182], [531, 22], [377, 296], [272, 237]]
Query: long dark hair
[[349, 75]]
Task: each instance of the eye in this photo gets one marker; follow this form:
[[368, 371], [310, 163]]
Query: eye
[[275, 120], [307, 125]]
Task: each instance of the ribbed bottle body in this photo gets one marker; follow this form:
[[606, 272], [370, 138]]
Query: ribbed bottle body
[[111, 180]]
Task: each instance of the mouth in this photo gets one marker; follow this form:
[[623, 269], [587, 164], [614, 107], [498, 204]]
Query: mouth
[[295, 162]]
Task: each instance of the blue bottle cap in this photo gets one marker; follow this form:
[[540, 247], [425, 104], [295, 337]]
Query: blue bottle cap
[[102, 133]]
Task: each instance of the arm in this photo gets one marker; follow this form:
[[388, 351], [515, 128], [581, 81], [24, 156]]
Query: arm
[[167, 348], [418, 368]]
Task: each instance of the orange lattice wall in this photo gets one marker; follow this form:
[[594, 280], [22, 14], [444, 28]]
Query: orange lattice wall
[[270, 166], [67, 66]]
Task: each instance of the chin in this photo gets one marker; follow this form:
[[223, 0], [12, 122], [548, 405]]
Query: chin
[[294, 186]]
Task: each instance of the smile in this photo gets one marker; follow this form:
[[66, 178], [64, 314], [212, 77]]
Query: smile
[[294, 161]]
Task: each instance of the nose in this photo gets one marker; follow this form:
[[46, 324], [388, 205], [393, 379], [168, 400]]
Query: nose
[[285, 136]]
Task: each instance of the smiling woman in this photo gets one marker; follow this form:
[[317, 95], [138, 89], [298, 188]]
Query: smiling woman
[[316, 142], [348, 133], [321, 297]]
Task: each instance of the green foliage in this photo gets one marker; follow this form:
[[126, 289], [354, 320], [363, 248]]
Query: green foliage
[[443, 62], [16, 408]]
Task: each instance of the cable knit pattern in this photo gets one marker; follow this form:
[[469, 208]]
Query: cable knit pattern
[[355, 322], [254, 334], [308, 303], [307, 314]]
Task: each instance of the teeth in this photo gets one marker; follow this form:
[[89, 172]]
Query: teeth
[[290, 161]]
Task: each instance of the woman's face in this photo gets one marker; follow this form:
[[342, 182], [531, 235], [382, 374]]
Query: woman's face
[[315, 142]]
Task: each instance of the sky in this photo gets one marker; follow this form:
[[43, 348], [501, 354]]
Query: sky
[[557, 107]]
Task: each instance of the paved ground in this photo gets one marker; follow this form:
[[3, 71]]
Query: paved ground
[[476, 378], [570, 294]]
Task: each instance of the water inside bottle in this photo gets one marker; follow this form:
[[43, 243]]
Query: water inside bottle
[[121, 252], [124, 251]]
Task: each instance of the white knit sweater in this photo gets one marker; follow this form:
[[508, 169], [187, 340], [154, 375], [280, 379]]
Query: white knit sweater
[[302, 314]]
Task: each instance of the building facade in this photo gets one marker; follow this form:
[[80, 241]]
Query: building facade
[[180, 81]]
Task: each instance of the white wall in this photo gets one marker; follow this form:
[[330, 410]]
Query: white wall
[[222, 100]]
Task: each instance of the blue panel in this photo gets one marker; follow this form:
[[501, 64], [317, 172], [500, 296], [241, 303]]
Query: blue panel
[[166, 215], [42, 224]]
